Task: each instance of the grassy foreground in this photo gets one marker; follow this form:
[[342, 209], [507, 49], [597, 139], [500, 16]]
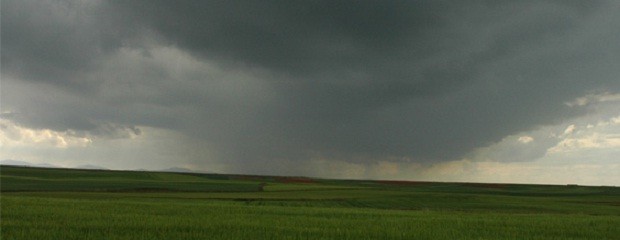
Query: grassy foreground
[[84, 204]]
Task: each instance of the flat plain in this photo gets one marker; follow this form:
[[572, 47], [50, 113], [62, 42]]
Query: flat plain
[[40, 203]]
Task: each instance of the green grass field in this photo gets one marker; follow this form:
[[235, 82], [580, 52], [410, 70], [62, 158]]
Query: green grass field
[[39, 203]]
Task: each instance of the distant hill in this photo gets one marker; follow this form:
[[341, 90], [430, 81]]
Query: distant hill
[[90, 166], [177, 169], [12, 162]]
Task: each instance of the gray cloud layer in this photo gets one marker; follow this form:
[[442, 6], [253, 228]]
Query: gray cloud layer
[[291, 80]]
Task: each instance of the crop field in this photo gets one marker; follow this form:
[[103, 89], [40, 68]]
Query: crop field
[[39, 203]]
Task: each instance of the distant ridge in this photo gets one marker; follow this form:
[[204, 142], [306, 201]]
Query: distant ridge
[[91, 167], [178, 170], [12, 162]]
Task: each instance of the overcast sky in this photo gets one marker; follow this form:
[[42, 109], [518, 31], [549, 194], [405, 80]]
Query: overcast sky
[[482, 91]]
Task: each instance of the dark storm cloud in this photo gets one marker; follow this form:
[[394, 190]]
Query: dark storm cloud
[[356, 81], [52, 41], [297, 37]]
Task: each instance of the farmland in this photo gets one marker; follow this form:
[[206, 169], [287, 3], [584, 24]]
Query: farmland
[[38, 203]]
